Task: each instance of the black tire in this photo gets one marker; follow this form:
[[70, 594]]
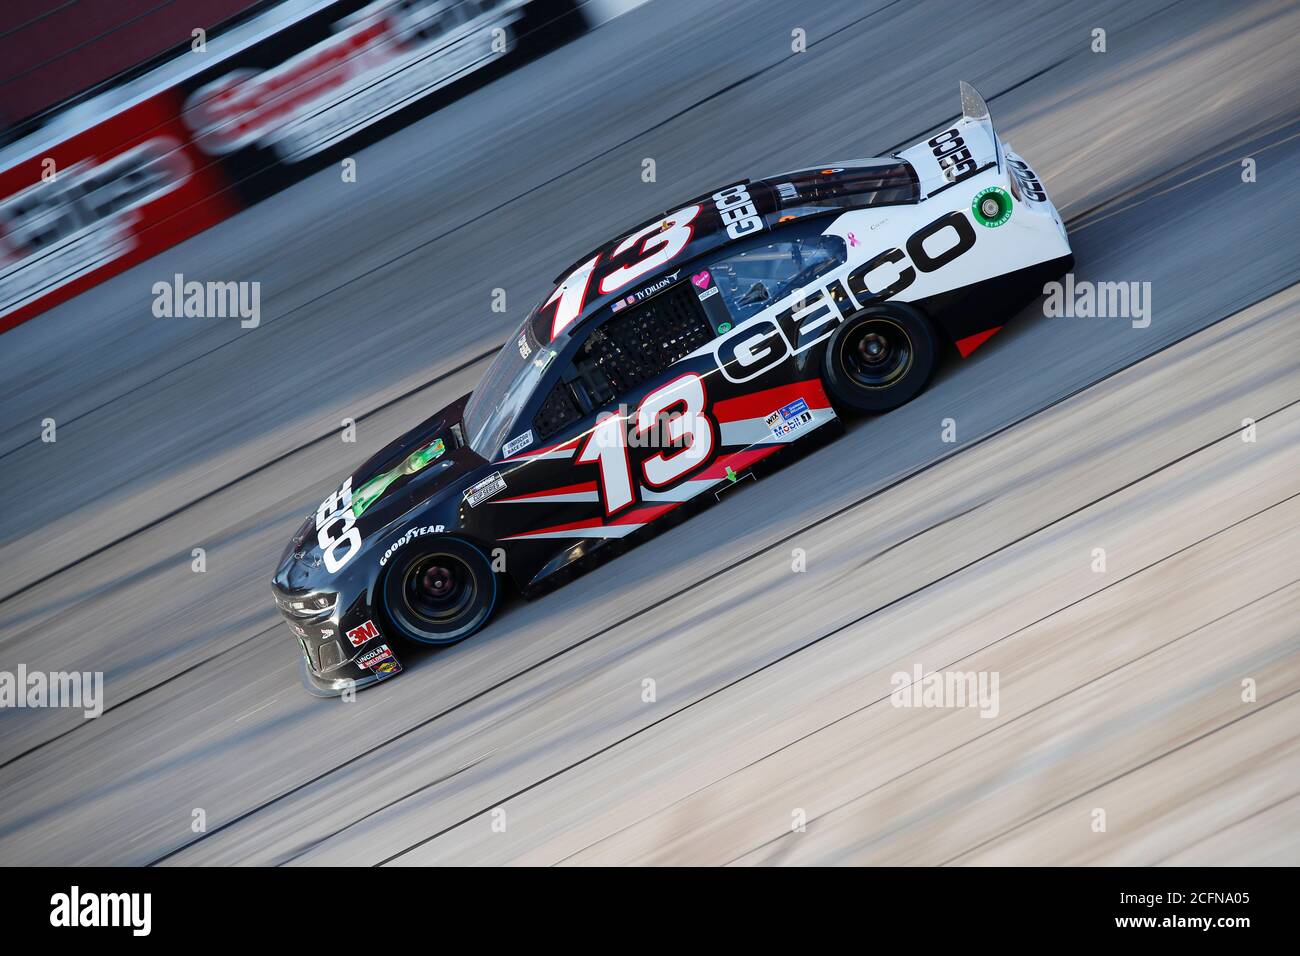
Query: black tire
[[440, 592], [880, 358]]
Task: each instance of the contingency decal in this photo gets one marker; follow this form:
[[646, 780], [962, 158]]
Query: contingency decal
[[991, 207], [517, 444], [380, 660], [365, 632], [368, 493], [789, 418], [748, 419], [481, 491]]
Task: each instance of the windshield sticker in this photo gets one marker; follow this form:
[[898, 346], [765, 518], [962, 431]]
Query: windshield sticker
[[517, 444]]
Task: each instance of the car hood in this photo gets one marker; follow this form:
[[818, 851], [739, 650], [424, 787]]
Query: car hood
[[418, 466]]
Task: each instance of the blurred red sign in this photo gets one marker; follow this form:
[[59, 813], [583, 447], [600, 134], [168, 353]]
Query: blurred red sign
[[99, 202]]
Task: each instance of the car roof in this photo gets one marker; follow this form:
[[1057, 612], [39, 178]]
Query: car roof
[[817, 190]]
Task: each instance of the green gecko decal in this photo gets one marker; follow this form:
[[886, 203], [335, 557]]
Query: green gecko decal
[[369, 493]]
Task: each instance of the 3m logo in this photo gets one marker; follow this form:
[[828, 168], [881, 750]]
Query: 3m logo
[[366, 632]]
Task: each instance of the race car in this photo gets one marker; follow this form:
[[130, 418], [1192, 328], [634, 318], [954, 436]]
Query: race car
[[663, 369]]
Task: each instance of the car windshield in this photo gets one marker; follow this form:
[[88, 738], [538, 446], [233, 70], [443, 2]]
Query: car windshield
[[760, 276], [504, 390]]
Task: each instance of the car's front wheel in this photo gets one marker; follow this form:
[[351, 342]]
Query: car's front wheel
[[441, 592], [880, 358]]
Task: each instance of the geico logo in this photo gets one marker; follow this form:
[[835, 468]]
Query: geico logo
[[953, 155], [765, 342], [752, 350], [1028, 181], [963, 235], [737, 211]]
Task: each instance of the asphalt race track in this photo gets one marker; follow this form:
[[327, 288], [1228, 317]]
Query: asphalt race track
[[1121, 690]]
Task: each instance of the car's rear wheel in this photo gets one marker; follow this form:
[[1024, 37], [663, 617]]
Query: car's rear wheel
[[880, 358], [440, 593]]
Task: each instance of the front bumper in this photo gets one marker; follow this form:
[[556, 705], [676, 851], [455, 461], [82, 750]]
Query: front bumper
[[339, 655], [335, 685]]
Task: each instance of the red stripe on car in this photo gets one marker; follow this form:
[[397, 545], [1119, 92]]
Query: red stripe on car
[[972, 342], [566, 490], [761, 404]]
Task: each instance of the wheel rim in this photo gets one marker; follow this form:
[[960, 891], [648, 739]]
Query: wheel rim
[[877, 353], [438, 589]]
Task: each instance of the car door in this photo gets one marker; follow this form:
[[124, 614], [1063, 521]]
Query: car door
[[646, 415], [622, 425]]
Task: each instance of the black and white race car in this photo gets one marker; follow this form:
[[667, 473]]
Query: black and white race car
[[663, 368]]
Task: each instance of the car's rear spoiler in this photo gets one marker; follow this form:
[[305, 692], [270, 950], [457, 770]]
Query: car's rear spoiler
[[968, 146], [975, 110]]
